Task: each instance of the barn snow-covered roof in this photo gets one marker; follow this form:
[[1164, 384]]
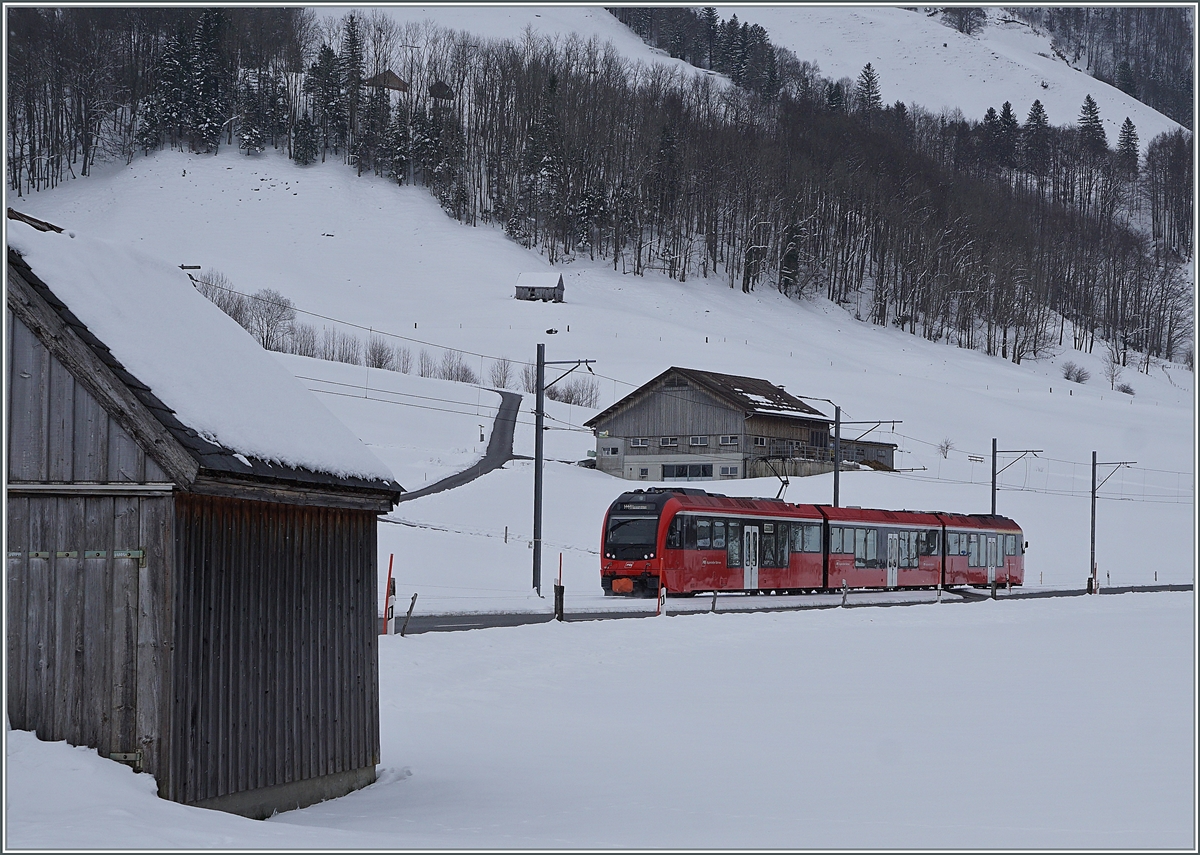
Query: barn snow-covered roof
[[229, 402], [539, 280]]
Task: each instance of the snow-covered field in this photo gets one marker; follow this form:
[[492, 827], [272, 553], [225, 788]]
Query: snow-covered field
[[1060, 723], [1026, 724]]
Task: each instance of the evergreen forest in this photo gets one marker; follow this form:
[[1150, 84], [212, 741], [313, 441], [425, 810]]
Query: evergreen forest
[[1001, 233]]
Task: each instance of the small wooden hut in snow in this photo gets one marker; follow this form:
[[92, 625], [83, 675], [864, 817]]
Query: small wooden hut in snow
[[387, 79], [191, 575], [547, 287]]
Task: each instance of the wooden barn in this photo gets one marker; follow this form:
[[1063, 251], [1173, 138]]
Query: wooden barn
[[690, 425], [547, 287], [200, 612]]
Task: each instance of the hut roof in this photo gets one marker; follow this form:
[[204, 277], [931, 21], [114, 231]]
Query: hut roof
[[539, 280], [388, 80], [225, 399], [749, 394]]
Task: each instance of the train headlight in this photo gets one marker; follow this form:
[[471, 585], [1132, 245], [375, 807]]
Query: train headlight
[[645, 556]]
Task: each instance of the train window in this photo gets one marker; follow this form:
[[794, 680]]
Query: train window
[[835, 539], [903, 558], [782, 541], [973, 551], [675, 533], [929, 542], [718, 534], [703, 534], [767, 546], [860, 547], [689, 532], [1010, 544], [733, 545], [952, 543], [812, 538]]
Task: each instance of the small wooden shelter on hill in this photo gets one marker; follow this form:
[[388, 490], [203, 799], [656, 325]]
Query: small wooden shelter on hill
[[387, 79], [547, 287], [191, 575]]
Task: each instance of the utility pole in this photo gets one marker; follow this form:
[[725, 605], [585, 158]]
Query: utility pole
[[1021, 451], [539, 414], [1118, 463], [837, 453]]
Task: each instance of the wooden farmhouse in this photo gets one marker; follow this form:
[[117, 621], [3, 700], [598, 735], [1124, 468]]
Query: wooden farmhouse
[[191, 583], [688, 425], [387, 79], [547, 287]]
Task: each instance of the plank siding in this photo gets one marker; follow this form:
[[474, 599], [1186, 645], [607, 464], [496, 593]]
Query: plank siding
[[58, 430], [675, 412], [16, 592], [284, 635]]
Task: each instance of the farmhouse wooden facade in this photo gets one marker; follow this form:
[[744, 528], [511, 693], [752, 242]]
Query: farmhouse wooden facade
[[688, 425], [204, 616]]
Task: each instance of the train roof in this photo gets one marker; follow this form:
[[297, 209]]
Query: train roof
[[878, 515]]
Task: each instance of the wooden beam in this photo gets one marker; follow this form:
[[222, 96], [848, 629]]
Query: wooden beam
[[291, 494]]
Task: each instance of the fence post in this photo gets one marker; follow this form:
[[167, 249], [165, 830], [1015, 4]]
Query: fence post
[[404, 628]]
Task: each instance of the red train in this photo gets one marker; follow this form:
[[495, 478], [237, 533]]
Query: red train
[[691, 541]]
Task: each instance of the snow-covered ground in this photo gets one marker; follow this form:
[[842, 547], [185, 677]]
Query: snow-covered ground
[[1024, 724], [1065, 723]]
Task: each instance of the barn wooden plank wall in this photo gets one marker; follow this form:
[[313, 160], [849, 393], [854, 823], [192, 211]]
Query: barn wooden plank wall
[[288, 691], [58, 431], [675, 412], [82, 637]]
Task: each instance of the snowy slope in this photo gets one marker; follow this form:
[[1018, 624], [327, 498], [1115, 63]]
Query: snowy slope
[[395, 260], [921, 61]]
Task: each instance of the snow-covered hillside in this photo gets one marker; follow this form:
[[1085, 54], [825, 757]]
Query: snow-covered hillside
[[386, 258], [922, 61], [919, 59]]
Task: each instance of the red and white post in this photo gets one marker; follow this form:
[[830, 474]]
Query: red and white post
[[389, 601]]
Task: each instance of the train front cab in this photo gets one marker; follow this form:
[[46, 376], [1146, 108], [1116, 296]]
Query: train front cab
[[982, 549], [631, 543]]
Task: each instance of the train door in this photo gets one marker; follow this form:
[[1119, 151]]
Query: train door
[[991, 558], [750, 557], [893, 560]]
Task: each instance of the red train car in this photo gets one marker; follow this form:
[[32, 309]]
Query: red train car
[[690, 541]]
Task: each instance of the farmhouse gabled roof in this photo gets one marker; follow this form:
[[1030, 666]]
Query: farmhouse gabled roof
[[750, 395], [228, 403], [539, 280]]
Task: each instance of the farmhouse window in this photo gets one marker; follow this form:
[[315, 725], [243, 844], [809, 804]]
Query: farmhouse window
[[729, 440], [612, 449], [760, 441], [644, 472], [639, 442], [669, 441], [698, 440], [729, 470]]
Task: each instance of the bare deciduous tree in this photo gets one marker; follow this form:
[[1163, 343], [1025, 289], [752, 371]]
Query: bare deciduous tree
[[501, 373], [379, 353]]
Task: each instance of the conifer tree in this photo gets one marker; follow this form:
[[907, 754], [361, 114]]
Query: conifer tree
[[1127, 149], [867, 98], [1092, 138], [323, 84], [350, 64], [1009, 135], [1036, 139], [1125, 80], [305, 144]]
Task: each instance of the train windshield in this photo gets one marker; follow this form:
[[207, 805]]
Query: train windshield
[[632, 531]]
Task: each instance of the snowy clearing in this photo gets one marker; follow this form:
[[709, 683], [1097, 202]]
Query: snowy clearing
[[1059, 724]]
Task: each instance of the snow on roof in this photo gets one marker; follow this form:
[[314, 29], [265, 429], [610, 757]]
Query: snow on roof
[[196, 359], [539, 280]]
